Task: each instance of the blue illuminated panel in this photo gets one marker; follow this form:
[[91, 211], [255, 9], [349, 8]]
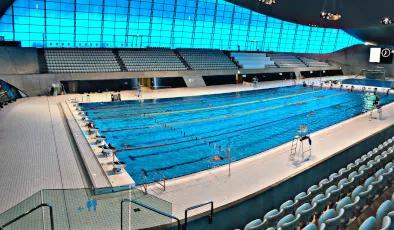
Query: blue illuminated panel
[[161, 23]]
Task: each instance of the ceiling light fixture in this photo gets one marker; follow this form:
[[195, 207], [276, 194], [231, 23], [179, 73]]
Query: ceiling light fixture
[[330, 16], [268, 2], [329, 7], [386, 21]]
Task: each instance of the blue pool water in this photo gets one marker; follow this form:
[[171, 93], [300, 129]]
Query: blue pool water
[[369, 82], [180, 136]]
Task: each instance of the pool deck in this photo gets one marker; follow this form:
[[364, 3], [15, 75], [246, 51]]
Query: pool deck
[[37, 154]]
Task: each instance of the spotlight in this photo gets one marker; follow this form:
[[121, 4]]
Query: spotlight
[[330, 16], [386, 21], [267, 2]]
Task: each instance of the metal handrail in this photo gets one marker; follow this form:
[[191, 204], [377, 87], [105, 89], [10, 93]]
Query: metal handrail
[[145, 185], [149, 208], [210, 217], [30, 211]]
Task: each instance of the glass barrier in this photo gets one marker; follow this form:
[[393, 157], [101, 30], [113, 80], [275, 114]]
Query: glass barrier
[[84, 209]]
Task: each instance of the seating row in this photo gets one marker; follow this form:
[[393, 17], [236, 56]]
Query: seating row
[[338, 199]]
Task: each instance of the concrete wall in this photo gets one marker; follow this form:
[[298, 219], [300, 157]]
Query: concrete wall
[[37, 84], [353, 60], [19, 67], [16, 60], [194, 81]]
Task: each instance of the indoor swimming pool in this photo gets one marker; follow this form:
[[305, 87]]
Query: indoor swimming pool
[[179, 136], [369, 82]]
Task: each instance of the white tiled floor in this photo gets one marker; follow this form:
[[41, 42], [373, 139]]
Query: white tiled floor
[[35, 151]]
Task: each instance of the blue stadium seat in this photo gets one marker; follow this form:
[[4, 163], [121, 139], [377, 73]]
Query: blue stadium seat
[[272, 217], [305, 212], [365, 197], [301, 198], [333, 193], [335, 178], [379, 185], [368, 224], [386, 223], [346, 186], [287, 207], [356, 176], [321, 202], [289, 222], [386, 207], [329, 214], [333, 223], [324, 184], [349, 206], [344, 172], [254, 225], [310, 227], [314, 190]]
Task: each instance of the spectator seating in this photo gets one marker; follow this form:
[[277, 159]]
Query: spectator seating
[[253, 60], [206, 59], [80, 60], [151, 60], [286, 60], [346, 193], [383, 219], [313, 63]]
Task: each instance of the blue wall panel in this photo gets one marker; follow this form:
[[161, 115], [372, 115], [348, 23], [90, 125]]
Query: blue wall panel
[[161, 23]]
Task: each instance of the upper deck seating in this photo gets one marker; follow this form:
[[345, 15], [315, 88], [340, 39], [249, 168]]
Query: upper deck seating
[[80, 60], [151, 60], [206, 59], [253, 60], [286, 60]]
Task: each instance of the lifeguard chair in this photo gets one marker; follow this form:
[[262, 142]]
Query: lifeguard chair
[[301, 151]]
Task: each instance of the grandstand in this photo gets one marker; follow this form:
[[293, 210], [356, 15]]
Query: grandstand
[[151, 60], [286, 60], [80, 61], [203, 59], [253, 60], [200, 114]]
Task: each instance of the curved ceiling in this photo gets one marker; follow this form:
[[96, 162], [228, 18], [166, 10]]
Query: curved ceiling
[[361, 18], [4, 4]]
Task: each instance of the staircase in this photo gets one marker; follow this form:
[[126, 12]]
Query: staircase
[[299, 58], [119, 60], [228, 54], [182, 59], [42, 62]]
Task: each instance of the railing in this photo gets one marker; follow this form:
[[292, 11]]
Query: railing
[[149, 208], [161, 182], [27, 213], [92, 209], [210, 217]]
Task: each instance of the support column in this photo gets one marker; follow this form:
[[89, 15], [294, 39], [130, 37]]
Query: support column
[[72, 86], [152, 7], [102, 24], [298, 75], [13, 22]]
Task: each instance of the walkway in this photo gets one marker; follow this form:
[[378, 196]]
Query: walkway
[[35, 151]]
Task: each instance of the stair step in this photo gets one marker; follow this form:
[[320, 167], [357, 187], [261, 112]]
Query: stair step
[[182, 59], [119, 60], [43, 66]]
